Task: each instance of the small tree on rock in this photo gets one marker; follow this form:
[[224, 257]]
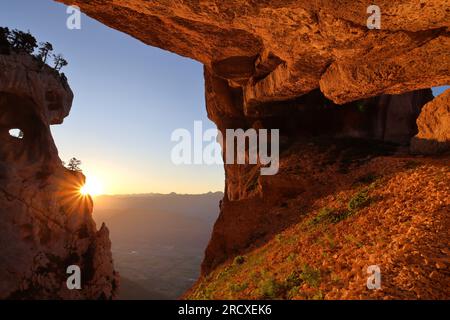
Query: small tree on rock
[[4, 36], [45, 50], [23, 41], [4, 42], [59, 62], [74, 165]]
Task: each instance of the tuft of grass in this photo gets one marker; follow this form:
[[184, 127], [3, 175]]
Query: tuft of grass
[[293, 280], [235, 288], [271, 289], [352, 239], [310, 275], [324, 214], [238, 260], [318, 295], [330, 240], [359, 200], [329, 216]]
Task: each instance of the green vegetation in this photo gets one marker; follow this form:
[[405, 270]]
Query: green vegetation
[[74, 165], [325, 214], [310, 275], [239, 260], [329, 216], [359, 200], [272, 289], [235, 288], [352, 239], [24, 42]]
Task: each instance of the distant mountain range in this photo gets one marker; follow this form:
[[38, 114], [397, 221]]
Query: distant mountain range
[[158, 240]]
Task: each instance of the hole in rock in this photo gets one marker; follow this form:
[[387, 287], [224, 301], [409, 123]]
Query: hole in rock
[[16, 133], [437, 91]]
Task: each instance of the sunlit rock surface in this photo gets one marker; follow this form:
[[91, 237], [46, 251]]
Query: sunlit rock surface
[[279, 50], [45, 225], [308, 68], [434, 127]]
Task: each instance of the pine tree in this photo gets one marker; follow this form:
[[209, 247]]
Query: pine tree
[[45, 50], [74, 165]]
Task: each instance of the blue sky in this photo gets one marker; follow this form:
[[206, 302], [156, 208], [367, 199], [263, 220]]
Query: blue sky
[[129, 98], [438, 90]]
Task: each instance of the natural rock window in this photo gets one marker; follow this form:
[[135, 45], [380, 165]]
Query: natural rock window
[[16, 133]]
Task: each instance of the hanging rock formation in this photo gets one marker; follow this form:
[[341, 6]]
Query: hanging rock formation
[[308, 68]]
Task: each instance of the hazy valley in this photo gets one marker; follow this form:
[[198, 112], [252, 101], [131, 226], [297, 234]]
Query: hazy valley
[[158, 240]]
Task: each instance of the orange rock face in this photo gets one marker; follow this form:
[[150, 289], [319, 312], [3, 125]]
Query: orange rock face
[[434, 127], [279, 50], [46, 226], [309, 68]]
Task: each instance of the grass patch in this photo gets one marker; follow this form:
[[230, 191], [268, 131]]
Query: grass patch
[[352, 239], [324, 214], [235, 288], [329, 216], [359, 200], [318, 295], [310, 275], [271, 289]]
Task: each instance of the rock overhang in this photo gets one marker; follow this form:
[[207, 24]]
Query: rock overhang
[[280, 50]]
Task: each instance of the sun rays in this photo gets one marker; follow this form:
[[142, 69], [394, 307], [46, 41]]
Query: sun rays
[[93, 187]]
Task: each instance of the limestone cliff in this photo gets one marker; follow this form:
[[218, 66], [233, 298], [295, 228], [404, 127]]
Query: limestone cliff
[[45, 224]]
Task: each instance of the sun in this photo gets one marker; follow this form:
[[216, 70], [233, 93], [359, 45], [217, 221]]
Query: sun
[[92, 187]]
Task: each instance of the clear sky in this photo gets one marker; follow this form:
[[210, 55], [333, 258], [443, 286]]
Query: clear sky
[[129, 98]]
